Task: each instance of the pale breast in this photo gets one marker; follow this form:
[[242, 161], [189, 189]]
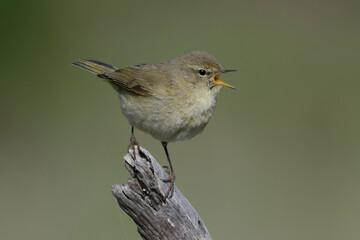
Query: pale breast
[[196, 114], [169, 119]]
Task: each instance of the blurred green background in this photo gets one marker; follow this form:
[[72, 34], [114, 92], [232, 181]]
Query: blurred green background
[[279, 159]]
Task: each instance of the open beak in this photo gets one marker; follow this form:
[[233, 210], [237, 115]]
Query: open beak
[[217, 80]]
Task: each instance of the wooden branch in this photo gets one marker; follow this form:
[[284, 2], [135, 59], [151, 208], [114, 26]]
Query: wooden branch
[[142, 198]]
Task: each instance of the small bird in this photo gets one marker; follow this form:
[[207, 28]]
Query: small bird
[[172, 100]]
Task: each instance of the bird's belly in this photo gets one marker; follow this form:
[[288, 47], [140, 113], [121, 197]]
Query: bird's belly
[[166, 122]]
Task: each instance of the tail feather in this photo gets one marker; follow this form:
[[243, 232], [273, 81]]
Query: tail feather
[[94, 66]]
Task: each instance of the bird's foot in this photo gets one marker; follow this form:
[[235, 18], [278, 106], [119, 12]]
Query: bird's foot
[[171, 180], [132, 144]]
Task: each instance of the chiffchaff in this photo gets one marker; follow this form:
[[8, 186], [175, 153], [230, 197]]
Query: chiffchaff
[[172, 100]]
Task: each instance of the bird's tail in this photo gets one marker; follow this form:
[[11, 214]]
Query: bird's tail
[[94, 67]]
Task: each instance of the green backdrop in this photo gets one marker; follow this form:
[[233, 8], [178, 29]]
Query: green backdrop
[[279, 159]]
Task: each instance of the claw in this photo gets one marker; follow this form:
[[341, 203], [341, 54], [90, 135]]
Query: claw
[[170, 180]]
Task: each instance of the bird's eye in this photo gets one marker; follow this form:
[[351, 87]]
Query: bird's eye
[[202, 72]]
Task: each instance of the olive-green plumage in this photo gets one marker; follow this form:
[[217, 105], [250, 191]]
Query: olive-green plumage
[[169, 100]]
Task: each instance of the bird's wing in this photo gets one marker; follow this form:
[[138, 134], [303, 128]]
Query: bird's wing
[[128, 78], [141, 79]]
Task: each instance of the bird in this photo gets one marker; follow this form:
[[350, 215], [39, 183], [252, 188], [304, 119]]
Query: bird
[[171, 100]]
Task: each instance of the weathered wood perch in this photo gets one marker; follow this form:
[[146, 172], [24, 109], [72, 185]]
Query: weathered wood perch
[[142, 198]]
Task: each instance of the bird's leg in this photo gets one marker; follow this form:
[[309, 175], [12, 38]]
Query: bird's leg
[[133, 142], [171, 178]]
